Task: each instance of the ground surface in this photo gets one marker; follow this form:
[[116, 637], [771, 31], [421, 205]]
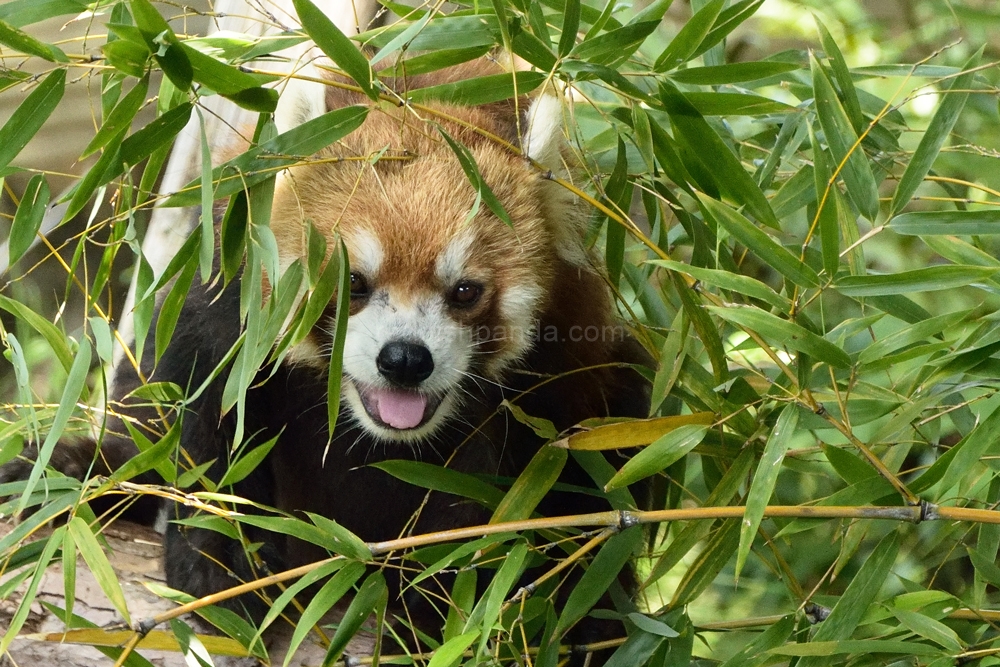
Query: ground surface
[[136, 555]]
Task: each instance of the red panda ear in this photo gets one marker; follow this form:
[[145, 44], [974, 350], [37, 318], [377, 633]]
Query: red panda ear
[[543, 141], [301, 100]]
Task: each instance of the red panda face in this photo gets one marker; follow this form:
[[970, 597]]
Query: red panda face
[[444, 295]]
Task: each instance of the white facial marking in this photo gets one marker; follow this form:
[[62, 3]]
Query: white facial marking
[[423, 320], [519, 306], [366, 253], [450, 265]]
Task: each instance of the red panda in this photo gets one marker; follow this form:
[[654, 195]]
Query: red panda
[[452, 312]]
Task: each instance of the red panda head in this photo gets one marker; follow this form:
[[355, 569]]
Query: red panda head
[[443, 293]]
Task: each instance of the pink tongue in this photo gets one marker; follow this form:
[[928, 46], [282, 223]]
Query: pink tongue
[[400, 409]]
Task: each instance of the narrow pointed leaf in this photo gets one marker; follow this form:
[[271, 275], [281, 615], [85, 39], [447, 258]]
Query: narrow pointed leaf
[[30, 115], [843, 142], [785, 333], [932, 278], [335, 44], [762, 245], [764, 480], [934, 137], [664, 452]]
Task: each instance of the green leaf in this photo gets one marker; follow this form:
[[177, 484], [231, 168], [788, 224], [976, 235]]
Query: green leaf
[[28, 597], [25, 43], [240, 87], [247, 463], [930, 628], [843, 76], [372, 595], [604, 569], [615, 45], [30, 115], [727, 280], [664, 452], [445, 480], [764, 480], [950, 223], [76, 383], [767, 249], [729, 19], [860, 594], [731, 73], [531, 485], [445, 32], [844, 145], [827, 200], [262, 162], [52, 335], [98, 563], [156, 134], [824, 649], [28, 218], [487, 611], [335, 44], [784, 333], [690, 37], [472, 172], [570, 27], [481, 90], [932, 278], [735, 104], [127, 57], [691, 130], [450, 653], [708, 564], [936, 134], [327, 596], [20, 13], [337, 348], [120, 118]]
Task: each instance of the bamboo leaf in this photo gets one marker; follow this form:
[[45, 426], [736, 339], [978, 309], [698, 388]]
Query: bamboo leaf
[[633, 433], [598, 577], [731, 73], [934, 137], [760, 243], [28, 218], [98, 563], [727, 280], [733, 180], [843, 143], [665, 451], [930, 279], [764, 480], [75, 384], [690, 37], [25, 43], [372, 594], [481, 90], [947, 223], [335, 44], [786, 333], [445, 480], [327, 596], [531, 485], [30, 115], [859, 595], [337, 349]]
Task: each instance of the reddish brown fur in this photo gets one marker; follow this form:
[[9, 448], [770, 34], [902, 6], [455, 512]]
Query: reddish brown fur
[[416, 205]]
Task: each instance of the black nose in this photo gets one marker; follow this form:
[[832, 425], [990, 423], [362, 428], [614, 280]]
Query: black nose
[[405, 364]]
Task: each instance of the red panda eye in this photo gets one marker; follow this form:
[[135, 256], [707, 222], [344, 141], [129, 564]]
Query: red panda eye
[[466, 294], [359, 286]]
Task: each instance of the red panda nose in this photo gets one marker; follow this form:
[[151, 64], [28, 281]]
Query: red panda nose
[[405, 364]]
